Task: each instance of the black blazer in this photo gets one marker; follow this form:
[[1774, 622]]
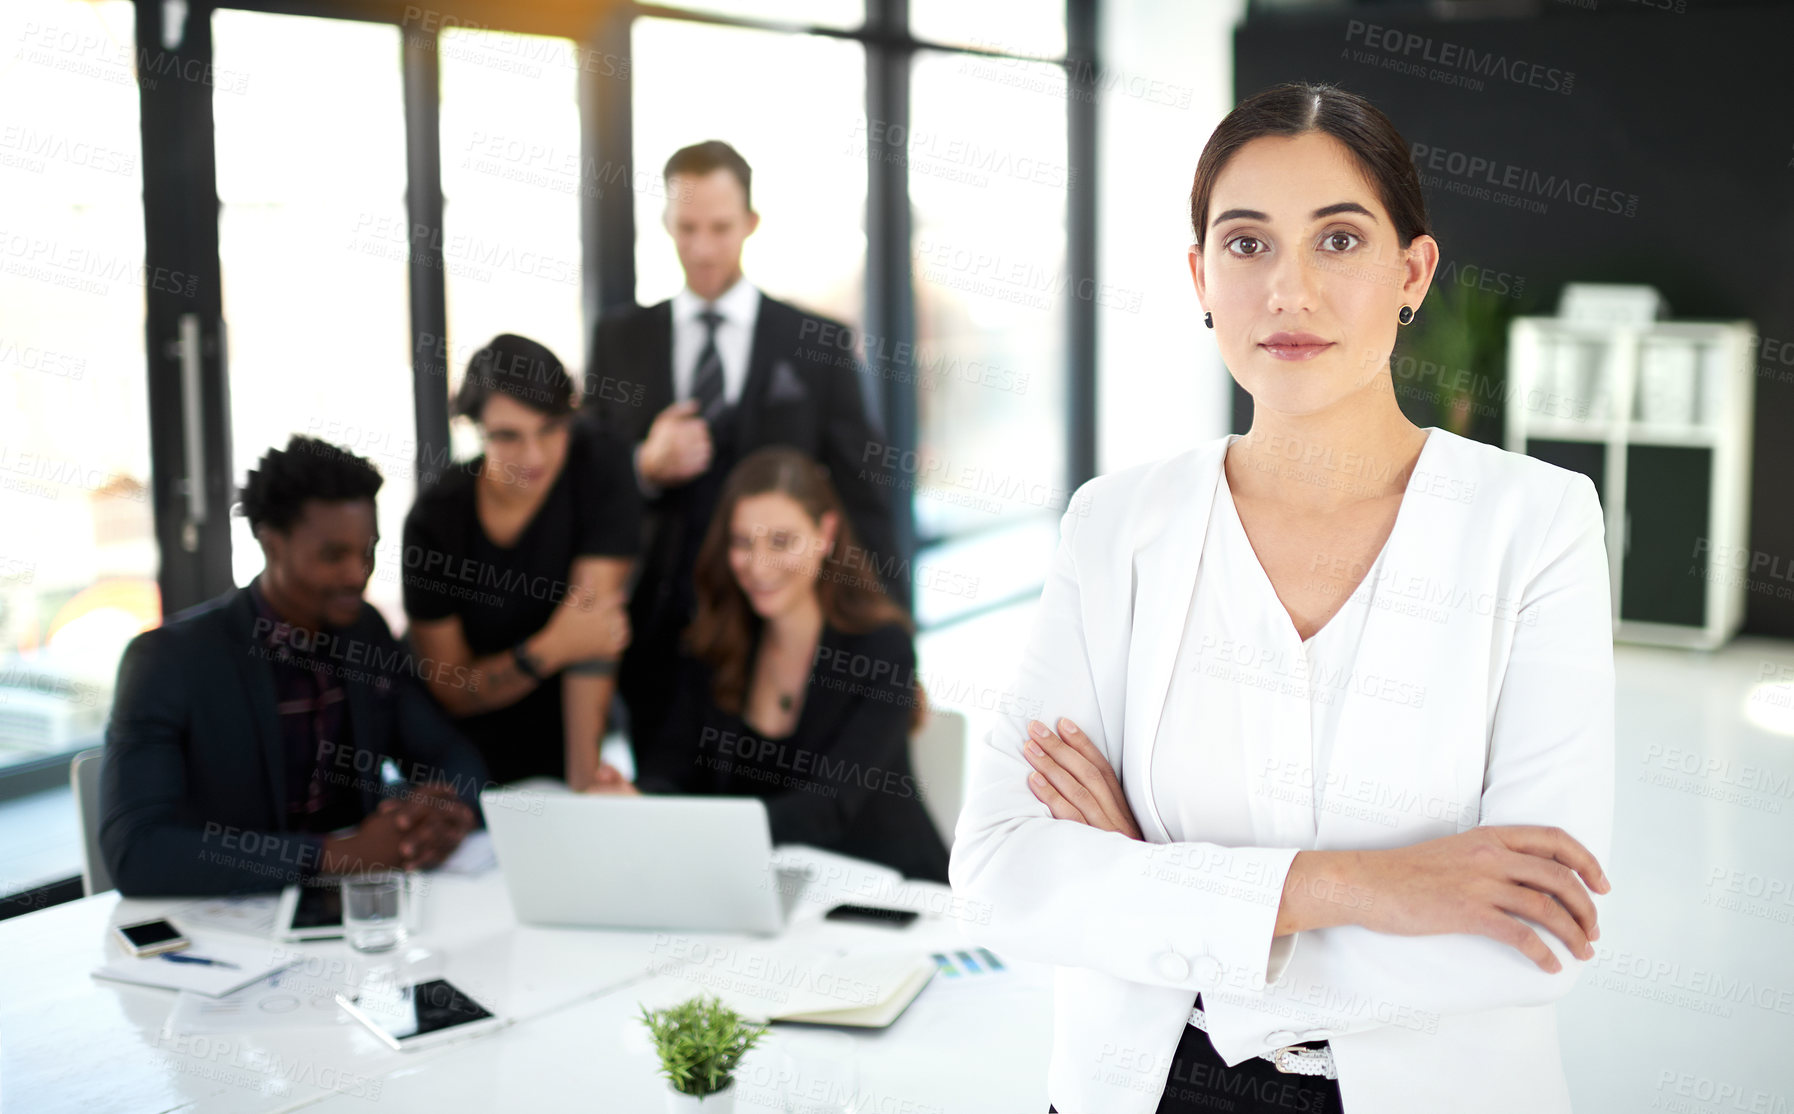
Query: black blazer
[[193, 780], [802, 390], [841, 781]]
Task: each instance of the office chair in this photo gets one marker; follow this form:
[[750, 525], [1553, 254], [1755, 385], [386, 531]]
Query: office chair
[[937, 755], [84, 778]]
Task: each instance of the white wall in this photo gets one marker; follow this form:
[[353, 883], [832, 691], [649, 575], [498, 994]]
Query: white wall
[[1161, 386]]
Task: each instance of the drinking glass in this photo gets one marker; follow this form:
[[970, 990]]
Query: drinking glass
[[373, 911]]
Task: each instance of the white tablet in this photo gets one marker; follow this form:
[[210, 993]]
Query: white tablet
[[420, 1015]]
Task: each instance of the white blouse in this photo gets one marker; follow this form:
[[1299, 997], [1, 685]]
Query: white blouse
[[1250, 702]]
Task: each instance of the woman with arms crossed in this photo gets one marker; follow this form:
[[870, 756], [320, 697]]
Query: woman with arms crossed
[[1325, 764]]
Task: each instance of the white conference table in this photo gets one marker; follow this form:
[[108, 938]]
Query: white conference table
[[575, 1040]]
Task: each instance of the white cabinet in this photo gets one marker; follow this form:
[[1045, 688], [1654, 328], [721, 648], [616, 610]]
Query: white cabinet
[[1659, 416]]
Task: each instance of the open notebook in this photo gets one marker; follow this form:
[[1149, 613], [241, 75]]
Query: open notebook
[[782, 982]]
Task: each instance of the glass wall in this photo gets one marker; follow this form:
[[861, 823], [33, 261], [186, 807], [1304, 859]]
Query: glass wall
[[757, 90], [78, 552], [987, 184], [511, 182], [312, 239]]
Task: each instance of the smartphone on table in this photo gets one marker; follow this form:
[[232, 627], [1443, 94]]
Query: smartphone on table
[[152, 937]]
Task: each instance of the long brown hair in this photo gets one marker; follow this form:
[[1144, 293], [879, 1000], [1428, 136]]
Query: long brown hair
[[848, 587]]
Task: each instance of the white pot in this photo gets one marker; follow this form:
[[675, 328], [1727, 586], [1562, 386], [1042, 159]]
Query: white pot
[[722, 1102]]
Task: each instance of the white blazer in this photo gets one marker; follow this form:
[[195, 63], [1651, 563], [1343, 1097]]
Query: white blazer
[[1515, 726]]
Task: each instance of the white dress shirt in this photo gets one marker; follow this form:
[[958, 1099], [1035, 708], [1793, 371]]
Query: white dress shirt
[[740, 306]]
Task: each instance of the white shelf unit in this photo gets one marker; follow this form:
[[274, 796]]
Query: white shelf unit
[[1659, 415]]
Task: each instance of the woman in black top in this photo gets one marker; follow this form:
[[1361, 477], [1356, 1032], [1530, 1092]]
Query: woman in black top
[[799, 686], [515, 566]]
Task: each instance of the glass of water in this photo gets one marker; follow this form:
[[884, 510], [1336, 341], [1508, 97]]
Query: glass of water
[[374, 910]]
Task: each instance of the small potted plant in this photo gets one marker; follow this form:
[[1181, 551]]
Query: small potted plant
[[700, 1042]]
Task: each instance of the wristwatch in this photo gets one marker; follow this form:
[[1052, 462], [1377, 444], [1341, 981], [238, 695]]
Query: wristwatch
[[593, 667], [527, 663]]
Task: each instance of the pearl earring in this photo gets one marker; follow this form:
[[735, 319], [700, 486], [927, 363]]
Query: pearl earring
[[1209, 320]]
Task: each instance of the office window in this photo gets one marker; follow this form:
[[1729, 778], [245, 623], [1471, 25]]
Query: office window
[[312, 236], [78, 553], [511, 182], [757, 90], [1033, 27], [987, 184]]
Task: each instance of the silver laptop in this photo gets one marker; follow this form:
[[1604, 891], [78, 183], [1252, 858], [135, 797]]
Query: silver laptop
[[692, 864]]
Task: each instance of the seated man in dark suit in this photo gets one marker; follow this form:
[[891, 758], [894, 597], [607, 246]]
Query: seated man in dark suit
[[251, 735], [699, 381]]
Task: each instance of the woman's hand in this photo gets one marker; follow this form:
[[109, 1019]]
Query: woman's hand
[[610, 780], [1075, 781], [584, 625], [1480, 881]]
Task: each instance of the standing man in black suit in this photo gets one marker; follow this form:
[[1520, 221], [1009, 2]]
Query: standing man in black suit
[[723, 370]]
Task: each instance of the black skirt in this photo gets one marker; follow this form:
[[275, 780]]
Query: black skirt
[[1200, 1082]]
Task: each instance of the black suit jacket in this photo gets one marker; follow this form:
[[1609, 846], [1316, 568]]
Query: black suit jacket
[[192, 784], [802, 390], [841, 781]]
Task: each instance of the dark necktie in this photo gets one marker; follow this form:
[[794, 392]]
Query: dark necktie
[[707, 380]]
